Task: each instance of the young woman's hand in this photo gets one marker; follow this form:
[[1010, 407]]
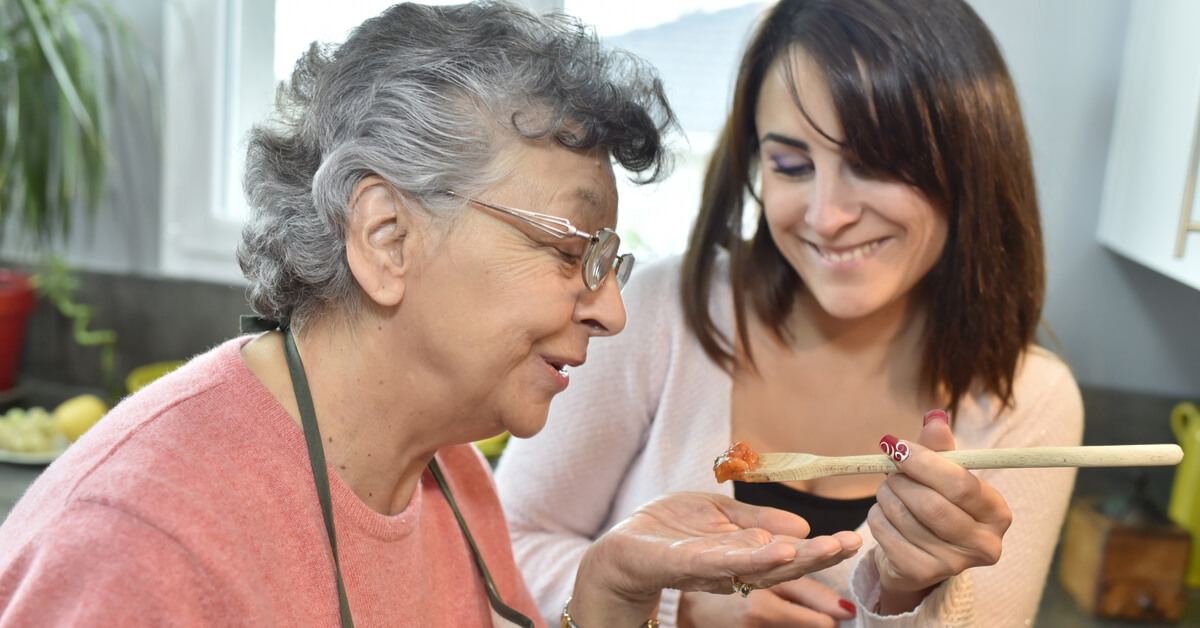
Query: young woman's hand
[[802, 603], [932, 520], [695, 542]]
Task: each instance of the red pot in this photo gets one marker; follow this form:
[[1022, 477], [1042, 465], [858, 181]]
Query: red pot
[[17, 299]]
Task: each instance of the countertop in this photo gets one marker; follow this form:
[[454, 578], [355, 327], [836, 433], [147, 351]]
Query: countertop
[[14, 478], [1059, 610]]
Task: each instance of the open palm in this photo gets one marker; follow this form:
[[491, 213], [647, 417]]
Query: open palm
[[698, 541]]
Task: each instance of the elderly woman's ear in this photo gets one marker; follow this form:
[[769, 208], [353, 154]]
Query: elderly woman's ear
[[376, 242]]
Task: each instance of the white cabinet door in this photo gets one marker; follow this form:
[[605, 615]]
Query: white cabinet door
[[1150, 210]]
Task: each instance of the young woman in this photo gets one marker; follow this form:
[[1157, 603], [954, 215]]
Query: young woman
[[887, 299]]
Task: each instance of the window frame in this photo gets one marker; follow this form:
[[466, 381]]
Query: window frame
[[207, 97]]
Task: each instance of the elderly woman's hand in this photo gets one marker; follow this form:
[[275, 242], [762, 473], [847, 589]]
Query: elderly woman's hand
[[695, 542], [932, 521]]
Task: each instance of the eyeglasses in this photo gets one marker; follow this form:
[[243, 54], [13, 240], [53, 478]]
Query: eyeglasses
[[599, 259]]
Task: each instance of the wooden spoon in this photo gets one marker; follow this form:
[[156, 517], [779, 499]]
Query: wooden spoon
[[788, 467]]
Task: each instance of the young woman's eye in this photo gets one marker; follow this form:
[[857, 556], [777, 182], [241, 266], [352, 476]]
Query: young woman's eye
[[790, 165], [863, 171]]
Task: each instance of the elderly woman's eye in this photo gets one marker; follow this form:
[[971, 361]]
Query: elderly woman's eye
[[568, 256]]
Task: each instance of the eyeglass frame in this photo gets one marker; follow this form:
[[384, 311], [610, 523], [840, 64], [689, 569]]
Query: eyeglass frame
[[559, 227]]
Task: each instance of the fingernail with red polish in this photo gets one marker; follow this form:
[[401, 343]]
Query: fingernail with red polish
[[849, 606], [934, 415], [894, 448]]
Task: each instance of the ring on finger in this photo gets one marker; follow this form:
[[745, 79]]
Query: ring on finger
[[741, 587]]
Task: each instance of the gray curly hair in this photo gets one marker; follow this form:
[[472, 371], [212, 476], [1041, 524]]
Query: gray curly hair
[[417, 96]]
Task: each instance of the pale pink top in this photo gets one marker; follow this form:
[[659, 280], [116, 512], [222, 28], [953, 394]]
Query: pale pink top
[[649, 412]]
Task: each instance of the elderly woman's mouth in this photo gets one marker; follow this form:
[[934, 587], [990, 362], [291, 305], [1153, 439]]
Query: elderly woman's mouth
[[558, 365], [562, 365]]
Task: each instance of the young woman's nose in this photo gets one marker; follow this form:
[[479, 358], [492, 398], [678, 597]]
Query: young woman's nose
[[833, 206]]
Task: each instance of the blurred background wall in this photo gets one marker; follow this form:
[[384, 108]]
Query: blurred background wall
[[1119, 325]]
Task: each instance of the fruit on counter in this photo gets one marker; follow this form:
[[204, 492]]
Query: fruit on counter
[[29, 430], [143, 375], [76, 415], [494, 446]]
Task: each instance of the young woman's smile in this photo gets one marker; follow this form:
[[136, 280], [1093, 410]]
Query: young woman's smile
[[847, 257]]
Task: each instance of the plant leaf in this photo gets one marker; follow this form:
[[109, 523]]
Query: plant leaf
[[42, 32], [57, 90]]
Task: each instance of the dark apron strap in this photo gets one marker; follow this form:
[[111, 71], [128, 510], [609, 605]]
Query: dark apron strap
[[316, 457], [498, 605]]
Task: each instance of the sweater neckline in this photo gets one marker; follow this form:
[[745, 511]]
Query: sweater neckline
[[350, 512]]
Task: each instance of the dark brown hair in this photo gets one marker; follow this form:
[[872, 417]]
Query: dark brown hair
[[938, 112]]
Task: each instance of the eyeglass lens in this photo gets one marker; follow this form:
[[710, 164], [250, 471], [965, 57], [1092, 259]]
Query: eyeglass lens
[[601, 258]]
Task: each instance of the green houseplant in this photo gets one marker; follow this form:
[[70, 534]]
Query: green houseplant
[[61, 62]]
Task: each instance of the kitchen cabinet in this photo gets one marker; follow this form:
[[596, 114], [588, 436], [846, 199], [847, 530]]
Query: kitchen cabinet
[[1150, 210]]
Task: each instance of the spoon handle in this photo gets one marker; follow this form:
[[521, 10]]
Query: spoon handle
[[783, 467], [1091, 456]]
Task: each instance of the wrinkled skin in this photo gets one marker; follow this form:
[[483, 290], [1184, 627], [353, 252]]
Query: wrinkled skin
[[695, 542]]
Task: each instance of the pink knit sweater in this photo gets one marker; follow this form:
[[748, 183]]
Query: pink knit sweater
[[193, 503]]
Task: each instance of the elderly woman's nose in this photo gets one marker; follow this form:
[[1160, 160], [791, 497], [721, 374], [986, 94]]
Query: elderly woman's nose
[[832, 206], [602, 309]]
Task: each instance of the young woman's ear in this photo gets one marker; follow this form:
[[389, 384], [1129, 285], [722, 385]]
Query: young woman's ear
[[377, 241]]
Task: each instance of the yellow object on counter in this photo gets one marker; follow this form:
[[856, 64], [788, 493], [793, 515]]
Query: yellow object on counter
[[77, 415], [28, 430], [494, 446], [143, 375], [1184, 508]]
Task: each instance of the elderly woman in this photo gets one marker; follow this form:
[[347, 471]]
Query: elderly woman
[[321, 472]]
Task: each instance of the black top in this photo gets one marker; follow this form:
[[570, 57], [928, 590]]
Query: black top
[[824, 515]]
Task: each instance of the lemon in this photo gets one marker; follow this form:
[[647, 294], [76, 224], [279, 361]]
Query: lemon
[[78, 414], [494, 446], [147, 373]]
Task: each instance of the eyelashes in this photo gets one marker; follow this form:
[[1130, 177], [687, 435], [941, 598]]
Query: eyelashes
[[790, 165], [797, 167], [569, 258]]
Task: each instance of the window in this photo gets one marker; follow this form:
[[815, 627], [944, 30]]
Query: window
[[224, 58], [217, 79], [696, 46]]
